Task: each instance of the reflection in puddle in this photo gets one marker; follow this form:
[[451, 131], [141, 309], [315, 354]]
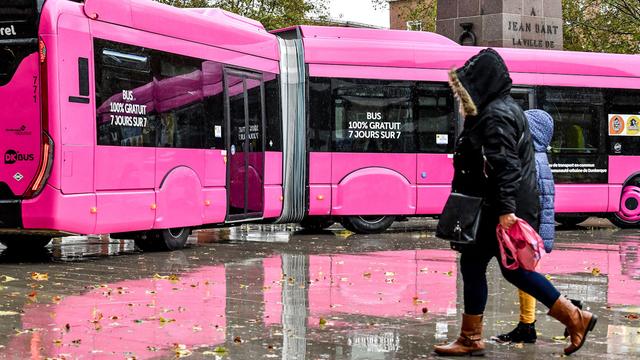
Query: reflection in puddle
[[294, 306], [74, 248]]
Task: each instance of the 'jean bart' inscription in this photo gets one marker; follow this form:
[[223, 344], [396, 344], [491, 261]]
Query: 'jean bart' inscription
[[521, 27]]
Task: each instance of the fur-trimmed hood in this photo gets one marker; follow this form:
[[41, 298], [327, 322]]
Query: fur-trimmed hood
[[482, 79]]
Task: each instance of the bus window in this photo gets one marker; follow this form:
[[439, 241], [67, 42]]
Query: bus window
[[373, 116], [213, 88], [273, 132], [525, 97], [435, 118], [20, 20], [319, 113], [578, 117], [626, 105], [124, 91], [578, 154], [178, 98]]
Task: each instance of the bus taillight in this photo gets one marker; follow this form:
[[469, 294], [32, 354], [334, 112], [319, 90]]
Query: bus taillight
[[46, 156], [44, 169]]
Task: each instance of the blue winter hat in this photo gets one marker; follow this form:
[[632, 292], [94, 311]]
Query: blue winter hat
[[541, 125]]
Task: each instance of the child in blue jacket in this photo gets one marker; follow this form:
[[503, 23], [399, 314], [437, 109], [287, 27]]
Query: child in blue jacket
[[541, 125]]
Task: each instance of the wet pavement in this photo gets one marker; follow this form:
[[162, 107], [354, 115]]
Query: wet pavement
[[271, 292]]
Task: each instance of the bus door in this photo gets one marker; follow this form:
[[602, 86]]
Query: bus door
[[244, 99]]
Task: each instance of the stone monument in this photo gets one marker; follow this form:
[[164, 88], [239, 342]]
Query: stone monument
[[535, 24]]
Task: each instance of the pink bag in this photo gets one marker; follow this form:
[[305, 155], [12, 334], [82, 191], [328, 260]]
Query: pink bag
[[524, 245]]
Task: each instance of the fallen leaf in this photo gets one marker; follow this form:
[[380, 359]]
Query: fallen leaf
[[389, 273], [237, 340], [220, 350], [595, 271], [559, 338], [165, 321], [96, 316], [633, 317], [56, 299], [367, 274], [424, 270], [152, 348], [181, 351], [425, 310], [7, 279], [57, 342], [39, 277], [322, 322]]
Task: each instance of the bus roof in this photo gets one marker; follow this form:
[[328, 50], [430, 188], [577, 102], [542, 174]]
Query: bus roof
[[213, 27], [424, 50]]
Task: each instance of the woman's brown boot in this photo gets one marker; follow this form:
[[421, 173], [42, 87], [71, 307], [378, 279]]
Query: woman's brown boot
[[470, 340], [577, 321]]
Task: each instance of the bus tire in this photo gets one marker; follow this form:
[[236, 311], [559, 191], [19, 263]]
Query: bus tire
[[628, 217], [24, 242], [367, 224], [316, 223], [571, 221], [163, 240]]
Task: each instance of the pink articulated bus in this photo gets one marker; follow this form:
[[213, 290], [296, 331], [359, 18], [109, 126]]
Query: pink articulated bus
[[145, 121]]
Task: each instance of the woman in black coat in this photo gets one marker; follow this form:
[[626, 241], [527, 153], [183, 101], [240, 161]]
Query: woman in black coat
[[494, 159]]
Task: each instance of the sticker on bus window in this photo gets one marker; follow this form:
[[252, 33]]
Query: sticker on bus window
[[624, 125], [442, 139], [218, 131]]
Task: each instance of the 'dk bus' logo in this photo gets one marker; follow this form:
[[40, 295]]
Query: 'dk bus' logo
[[12, 156]]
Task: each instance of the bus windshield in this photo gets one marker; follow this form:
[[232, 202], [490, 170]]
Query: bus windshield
[[20, 100]]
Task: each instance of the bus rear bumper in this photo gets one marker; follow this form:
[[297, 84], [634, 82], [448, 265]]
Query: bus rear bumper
[[10, 214]]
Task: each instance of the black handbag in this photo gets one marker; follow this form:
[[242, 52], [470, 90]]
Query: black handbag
[[460, 219]]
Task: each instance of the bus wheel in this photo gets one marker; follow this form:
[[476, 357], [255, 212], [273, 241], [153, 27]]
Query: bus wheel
[[367, 224], [629, 215], [24, 242], [316, 223], [571, 221], [163, 240]]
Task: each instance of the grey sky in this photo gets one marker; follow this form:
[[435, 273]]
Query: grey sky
[[361, 11]]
